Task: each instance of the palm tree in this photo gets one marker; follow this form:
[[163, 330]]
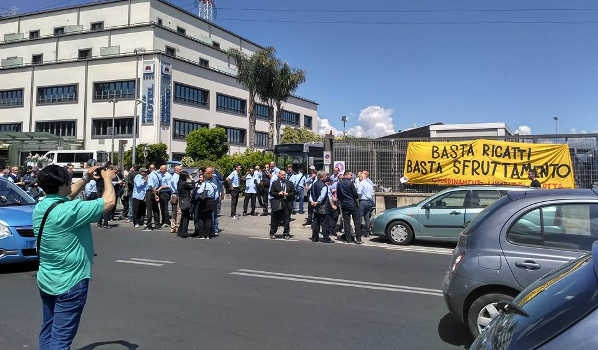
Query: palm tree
[[253, 75], [286, 81]]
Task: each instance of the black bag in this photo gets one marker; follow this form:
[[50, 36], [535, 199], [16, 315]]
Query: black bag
[[41, 227]]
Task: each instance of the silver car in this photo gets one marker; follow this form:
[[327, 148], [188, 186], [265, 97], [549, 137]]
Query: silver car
[[512, 243]]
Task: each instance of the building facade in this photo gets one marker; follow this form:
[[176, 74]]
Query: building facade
[[62, 69]]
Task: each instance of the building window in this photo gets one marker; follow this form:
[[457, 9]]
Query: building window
[[170, 51], [190, 95], [84, 54], [34, 34], [182, 128], [261, 111], [37, 59], [177, 157], [97, 26], [204, 63], [290, 118], [12, 127], [159, 21], [57, 94], [11, 98], [58, 128], [121, 90], [216, 44], [230, 104], [181, 30], [307, 122], [235, 136], [59, 31], [123, 127], [261, 139]]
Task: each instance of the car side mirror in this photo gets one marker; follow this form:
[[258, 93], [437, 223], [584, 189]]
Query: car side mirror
[[426, 206]]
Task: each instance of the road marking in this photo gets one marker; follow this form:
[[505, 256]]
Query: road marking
[[153, 261], [337, 282], [137, 262], [277, 239], [440, 251]]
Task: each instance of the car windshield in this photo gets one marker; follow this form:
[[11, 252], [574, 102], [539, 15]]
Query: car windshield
[[478, 219], [11, 194]]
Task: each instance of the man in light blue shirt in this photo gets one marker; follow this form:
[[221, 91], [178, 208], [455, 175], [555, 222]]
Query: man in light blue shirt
[[91, 190], [250, 192], [164, 193], [274, 169], [365, 190], [233, 180], [140, 189], [299, 180], [151, 198]]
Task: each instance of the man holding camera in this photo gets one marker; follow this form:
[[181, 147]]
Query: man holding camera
[[65, 248]]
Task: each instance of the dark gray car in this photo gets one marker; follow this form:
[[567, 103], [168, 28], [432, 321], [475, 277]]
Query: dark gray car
[[512, 243]]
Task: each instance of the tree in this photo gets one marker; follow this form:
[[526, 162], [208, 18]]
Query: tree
[[156, 153], [292, 135], [285, 82], [252, 73], [207, 144]]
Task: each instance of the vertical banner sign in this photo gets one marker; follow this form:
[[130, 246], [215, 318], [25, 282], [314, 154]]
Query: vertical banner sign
[[147, 94], [166, 91], [488, 162]]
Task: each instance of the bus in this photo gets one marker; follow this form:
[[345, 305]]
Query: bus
[[300, 154], [77, 158]]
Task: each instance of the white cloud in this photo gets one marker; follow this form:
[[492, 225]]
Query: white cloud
[[523, 130], [373, 121], [574, 131], [324, 127]]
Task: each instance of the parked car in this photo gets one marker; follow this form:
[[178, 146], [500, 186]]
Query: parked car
[[440, 217], [512, 243], [558, 311], [17, 241]]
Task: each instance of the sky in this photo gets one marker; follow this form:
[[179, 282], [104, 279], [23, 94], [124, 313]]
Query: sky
[[393, 65]]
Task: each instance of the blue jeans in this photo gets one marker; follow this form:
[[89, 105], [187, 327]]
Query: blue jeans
[[215, 213], [300, 198], [61, 316], [365, 211]]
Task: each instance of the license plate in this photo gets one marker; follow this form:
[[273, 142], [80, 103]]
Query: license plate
[[30, 244]]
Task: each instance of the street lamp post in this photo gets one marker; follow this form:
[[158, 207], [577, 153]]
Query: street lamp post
[[114, 101], [556, 124], [344, 119]]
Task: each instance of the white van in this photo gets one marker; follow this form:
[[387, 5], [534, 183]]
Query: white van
[[78, 158]]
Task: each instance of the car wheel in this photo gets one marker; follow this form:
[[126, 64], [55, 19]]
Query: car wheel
[[399, 233], [483, 310]]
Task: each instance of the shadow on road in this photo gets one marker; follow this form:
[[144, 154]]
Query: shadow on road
[[418, 243], [454, 332], [18, 268], [109, 345]]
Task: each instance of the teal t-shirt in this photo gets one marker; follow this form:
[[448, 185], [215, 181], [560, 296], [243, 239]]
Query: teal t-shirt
[[67, 245]]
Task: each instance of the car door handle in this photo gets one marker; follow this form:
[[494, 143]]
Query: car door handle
[[454, 212], [528, 265]]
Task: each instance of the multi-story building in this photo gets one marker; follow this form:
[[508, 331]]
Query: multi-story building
[[61, 68]]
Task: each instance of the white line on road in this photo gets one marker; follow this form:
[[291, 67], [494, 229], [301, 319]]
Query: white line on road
[[153, 261], [364, 286], [423, 250], [137, 262], [278, 239], [343, 282]]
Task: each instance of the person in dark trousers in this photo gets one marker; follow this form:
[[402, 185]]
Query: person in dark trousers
[[365, 189], [308, 183], [164, 193], [250, 192], [140, 188], [184, 189], [207, 191], [233, 180], [318, 194], [348, 198], [331, 216], [130, 183], [152, 199], [283, 194], [533, 176], [62, 225], [265, 188]]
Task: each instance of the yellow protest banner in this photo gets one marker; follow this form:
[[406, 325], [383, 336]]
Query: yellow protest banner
[[488, 162]]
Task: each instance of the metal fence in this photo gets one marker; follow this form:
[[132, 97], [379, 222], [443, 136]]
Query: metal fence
[[385, 159]]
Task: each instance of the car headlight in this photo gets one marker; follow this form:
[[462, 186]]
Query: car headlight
[[4, 230]]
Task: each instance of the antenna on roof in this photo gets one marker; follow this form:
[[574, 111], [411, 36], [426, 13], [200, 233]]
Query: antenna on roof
[[207, 9]]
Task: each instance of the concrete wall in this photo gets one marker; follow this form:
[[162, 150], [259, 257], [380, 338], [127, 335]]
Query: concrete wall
[[402, 199]]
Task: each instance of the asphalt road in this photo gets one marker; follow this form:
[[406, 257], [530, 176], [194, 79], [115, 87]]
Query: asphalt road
[[151, 290]]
